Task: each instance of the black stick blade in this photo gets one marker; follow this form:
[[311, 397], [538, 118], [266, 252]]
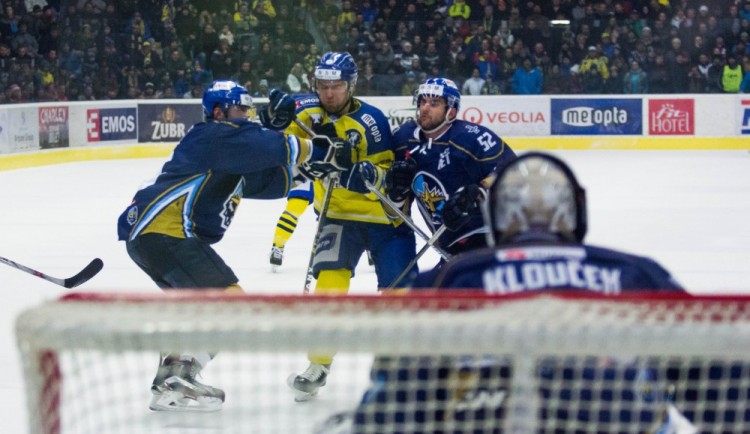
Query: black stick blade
[[87, 273]]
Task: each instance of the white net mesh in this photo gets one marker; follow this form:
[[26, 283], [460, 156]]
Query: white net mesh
[[465, 363]]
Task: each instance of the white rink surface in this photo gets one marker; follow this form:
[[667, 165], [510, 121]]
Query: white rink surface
[[687, 209]]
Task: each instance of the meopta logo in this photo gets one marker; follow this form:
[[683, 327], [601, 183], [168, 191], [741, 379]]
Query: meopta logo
[[111, 124], [589, 116], [597, 116]]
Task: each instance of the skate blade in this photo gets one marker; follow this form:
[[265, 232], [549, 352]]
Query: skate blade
[[299, 395], [177, 402], [275, 268]]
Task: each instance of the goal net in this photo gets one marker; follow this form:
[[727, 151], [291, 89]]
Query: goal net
[[425, 363]]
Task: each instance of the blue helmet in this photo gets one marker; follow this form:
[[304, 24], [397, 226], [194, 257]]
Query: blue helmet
[[334, 66], [226, 93], [440, 87]]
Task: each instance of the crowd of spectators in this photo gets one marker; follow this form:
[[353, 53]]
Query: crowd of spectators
[[115, 49]]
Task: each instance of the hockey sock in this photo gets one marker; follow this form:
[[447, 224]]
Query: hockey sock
[[234, 288], [330, 282], [333, 282], [288, 220]]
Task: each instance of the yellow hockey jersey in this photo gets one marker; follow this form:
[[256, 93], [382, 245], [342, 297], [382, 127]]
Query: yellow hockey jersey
[[367, 130]]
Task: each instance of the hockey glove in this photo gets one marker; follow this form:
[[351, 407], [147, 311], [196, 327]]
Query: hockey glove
[[458, 209], [398, 179], [327, 129], [357, 178], [328, 155], [280, 111]]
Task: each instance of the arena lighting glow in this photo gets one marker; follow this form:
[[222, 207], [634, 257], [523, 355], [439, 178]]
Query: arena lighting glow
[[560, 22]]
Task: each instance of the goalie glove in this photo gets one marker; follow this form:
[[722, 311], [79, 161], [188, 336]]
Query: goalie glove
[[357, 178], [458, 209], [280, 111], [398, 179]]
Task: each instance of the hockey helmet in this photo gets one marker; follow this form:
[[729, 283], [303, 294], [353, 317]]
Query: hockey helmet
[[335, 66], [536, 195], [442, 88], [226, 93]]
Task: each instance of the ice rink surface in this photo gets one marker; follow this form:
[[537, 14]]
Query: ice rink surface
[[687, 209]]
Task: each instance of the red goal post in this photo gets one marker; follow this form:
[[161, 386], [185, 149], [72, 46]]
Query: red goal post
[[570, 361]]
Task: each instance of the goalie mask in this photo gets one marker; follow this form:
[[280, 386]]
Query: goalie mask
[[226, 94], [537, 197], [439, 88]]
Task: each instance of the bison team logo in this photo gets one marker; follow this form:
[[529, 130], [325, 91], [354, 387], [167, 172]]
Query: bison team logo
[[431, 197], [671, 117]]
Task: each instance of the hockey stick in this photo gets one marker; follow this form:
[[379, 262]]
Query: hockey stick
[[330, 184], [409, 222], [421, 252], [71, 282]]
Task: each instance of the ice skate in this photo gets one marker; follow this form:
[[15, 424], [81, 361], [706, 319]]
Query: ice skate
[[306, 384], [276, 257], [175, 388]]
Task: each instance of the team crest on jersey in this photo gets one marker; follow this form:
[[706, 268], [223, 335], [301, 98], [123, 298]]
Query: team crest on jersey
[[353, 137], [431, 196], [132, 215]]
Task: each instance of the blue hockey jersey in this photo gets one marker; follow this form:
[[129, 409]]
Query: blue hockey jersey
[[215, 165], [465, 154], [535, 267]]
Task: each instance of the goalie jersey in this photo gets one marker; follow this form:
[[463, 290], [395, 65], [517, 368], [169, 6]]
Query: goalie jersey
[[536, 267], [215, 165], [366, 129], [465, 154]]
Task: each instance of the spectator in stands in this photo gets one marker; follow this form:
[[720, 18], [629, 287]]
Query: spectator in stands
[[486, 62], [474, 84], [223, 61], [679, 72], [459, 9], [636, 80], [554, 81], [296, 80], [527, 80], [696, 81], [714, 75], [731, 77], [615, 84], [658, 76], [411, 84], [262, 91], [594, 60]]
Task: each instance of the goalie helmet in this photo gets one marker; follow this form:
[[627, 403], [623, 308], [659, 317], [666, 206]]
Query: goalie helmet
[[335, 66], [225, 93], [536, 196]]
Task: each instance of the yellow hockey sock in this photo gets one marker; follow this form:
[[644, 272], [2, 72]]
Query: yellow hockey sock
[[330, 282], [288, 220], [333, 282]]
